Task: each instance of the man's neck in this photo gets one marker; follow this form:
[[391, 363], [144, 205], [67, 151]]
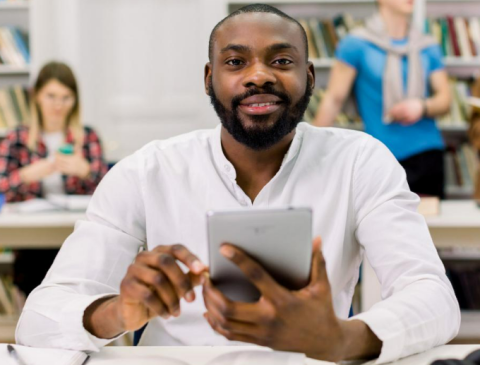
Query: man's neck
[[254, 168], [397, 24]]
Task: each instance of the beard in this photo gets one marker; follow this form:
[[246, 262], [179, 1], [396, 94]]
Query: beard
[[261, 136]]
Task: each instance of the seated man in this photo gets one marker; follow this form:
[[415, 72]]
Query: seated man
[[259, 81]]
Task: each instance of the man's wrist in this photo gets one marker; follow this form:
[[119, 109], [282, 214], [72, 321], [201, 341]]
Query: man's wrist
[[359, 342], [101, 318]]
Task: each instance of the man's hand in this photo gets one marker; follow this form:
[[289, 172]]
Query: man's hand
[[37, 171], [407, 112], [300, 321], [153, 286], [72, 165]]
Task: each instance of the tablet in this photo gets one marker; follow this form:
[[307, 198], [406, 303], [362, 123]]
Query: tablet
[[279, 239]]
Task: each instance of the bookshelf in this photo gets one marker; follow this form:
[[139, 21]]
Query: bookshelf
[[15, 14], [446, 230]]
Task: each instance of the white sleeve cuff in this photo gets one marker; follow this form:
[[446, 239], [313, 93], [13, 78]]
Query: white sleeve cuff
[[71, 325], [388, 328]]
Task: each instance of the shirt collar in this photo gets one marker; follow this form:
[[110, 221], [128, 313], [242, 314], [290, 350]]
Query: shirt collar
[[225, 167]]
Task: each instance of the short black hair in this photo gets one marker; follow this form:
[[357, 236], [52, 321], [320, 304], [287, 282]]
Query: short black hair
[[256, 8]]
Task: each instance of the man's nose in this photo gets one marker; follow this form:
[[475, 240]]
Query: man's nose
[[259, 74]]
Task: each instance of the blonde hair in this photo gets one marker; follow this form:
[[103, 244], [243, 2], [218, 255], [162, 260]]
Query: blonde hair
[[63, 74]]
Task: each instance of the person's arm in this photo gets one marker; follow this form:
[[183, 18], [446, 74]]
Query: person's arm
[[419, 309], [339, 86], [90, 265], [439, 103]]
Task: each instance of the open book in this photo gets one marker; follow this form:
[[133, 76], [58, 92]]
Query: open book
[[38, 356]]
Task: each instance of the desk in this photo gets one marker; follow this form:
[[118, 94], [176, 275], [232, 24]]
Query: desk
[[36, 230], [457, 225], [202, 355]]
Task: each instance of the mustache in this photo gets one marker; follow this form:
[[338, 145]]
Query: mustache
[[268, 89]]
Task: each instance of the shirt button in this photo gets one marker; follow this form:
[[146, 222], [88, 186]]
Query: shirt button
[[227, 167]]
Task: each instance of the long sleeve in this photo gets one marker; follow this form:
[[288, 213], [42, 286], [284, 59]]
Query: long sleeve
[[10, 183], [419, 309], [91, 264]]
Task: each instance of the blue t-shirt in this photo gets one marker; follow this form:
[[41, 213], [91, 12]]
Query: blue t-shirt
[[369, 62]]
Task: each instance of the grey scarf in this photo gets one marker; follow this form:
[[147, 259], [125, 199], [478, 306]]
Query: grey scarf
[[393, 92]]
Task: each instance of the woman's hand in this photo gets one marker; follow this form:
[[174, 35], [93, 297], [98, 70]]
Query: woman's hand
[[407, 112], [72, 165], [37, 171]]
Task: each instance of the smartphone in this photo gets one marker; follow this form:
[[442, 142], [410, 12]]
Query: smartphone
[[278, 239]]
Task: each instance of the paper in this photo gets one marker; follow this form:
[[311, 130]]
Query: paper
[[53, 202], [473, 101], [38, 356], [258, 358]]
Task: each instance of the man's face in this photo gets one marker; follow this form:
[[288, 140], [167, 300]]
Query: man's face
[[258, 80]]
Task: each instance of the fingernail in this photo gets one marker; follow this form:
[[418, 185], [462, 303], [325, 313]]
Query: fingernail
[[197, 266], [165, 316], [227, 252], [190, 296], [176, 312]]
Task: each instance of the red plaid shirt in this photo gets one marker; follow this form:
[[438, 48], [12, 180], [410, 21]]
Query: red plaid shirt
[[14, 154]]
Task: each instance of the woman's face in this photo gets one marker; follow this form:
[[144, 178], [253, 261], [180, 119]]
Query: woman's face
[[55, 101], [404, 7]]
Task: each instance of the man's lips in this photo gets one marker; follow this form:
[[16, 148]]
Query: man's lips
[[260, 104]]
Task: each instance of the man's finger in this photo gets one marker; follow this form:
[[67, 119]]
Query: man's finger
[[228, 334], [238, 311], [183, 254], [319, 270], [167, 264], [159, 283], [137, 292], [254, 272]]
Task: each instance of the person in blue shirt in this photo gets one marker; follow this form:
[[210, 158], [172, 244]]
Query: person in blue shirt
[[400, 86]]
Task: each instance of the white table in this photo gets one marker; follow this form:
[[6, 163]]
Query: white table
[[203, 355], [36, 230], [457, 225]]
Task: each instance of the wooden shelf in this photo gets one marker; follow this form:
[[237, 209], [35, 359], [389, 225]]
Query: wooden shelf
[[470, 325], [462, 62], [454, 128], [14, 70], [7, 328], [14, 5]]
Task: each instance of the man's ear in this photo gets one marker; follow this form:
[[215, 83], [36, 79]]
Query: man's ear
[[311, 74], [207, 77]]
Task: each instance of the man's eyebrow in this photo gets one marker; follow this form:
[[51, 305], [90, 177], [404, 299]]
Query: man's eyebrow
[[235, 47], [280, 46]]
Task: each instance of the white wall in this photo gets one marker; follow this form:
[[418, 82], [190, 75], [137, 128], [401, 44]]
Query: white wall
[[139, 63]]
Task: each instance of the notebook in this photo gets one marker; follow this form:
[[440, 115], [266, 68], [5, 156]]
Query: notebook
[[39, 356]]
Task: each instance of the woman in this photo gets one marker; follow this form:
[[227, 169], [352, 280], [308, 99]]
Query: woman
[[31, 165], [400, 86]]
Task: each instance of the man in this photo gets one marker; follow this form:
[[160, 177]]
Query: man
[[259, 82]]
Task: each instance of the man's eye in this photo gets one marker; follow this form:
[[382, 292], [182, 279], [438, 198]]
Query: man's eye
[[283, 62], [234, 62]]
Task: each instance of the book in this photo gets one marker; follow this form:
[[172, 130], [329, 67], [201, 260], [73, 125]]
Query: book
[[43, 356], [462, 36], [453, 36]]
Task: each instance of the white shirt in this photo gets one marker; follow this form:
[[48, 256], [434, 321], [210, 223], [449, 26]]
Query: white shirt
[[53, 184], [159, 196]]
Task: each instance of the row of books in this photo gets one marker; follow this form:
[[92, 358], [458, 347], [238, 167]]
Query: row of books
[[459, 110], [465, 278], [324, 35], [461, 165], [347, 118], [12, 300], [458, 36], [14, 107], [14, 47]]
